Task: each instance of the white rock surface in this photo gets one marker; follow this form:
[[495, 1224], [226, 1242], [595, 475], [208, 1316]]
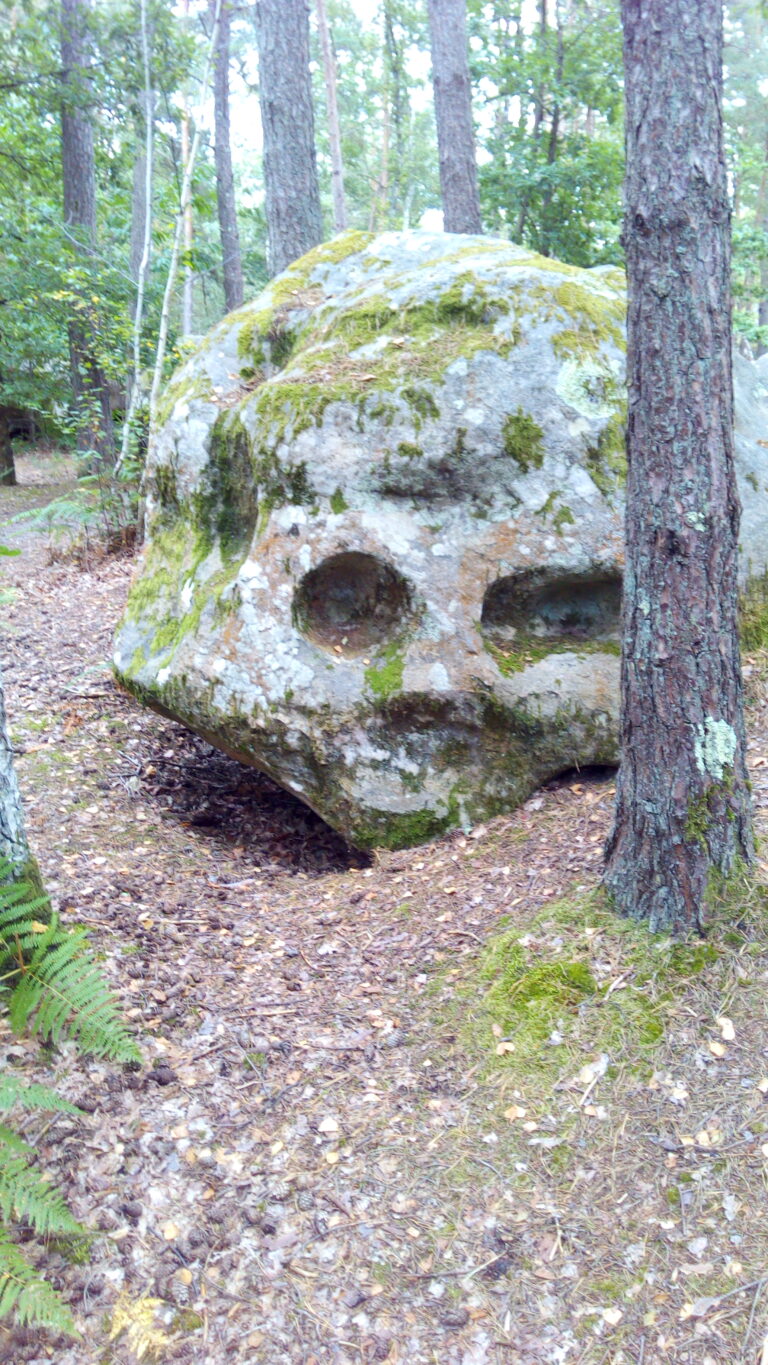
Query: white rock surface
[[384, 530]]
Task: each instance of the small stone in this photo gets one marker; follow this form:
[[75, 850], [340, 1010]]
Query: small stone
[[354, 1297]]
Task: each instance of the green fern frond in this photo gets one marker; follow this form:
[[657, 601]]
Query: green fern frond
[[60, 992], [52, 987], [56, 989], [29, 1095], [27, 1197], [25, 1295]]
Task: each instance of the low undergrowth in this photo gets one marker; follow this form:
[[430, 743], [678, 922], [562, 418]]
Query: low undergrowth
[[621, 1068]]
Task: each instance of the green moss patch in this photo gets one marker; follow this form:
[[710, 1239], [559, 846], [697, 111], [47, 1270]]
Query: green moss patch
[[523, 440], [606, 461], [385, 676], [531, 649], [549, 992]]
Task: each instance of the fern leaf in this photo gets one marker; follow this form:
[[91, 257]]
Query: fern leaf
[[24, 1294], [26, 1196], [62, 993], [29, 1095], [56, 989]]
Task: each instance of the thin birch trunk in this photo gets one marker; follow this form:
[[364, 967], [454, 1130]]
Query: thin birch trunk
[[142, 265], [186, 294], [334, 130], [231, 260], [173, 268]]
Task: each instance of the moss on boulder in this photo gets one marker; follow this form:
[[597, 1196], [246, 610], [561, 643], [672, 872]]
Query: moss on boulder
[[384, 531]]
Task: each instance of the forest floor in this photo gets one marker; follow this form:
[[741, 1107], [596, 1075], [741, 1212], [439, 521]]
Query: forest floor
[[433, 1106]]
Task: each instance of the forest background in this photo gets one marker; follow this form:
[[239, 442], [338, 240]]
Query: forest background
[[547, 99]]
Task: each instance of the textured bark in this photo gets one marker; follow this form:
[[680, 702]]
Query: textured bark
[[453, 112], [334, 129], [231, 261], [7, 466], [682, 805], [294, 220], [13, 839], [89, 386]]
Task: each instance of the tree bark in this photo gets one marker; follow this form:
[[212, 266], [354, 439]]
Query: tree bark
[[231, 261], [7, 466], [13, 839], [89, 385], [334, 129], [453, 112], [682, 803], [294, 220]]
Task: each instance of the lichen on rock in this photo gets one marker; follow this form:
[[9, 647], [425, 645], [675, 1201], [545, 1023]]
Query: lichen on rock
[[384, 531]]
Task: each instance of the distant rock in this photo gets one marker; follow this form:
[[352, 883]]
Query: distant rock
[[384, 530]]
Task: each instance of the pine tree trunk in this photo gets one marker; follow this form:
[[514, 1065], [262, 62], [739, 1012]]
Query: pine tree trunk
[[231, 261], [334, 130], [294, 220], [453, 112], [89, 385], [682, 804]]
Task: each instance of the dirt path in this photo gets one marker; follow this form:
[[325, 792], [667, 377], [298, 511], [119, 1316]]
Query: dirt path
[[324, 1159]]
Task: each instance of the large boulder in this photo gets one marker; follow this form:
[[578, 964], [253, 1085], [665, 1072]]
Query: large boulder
[[384, 531]]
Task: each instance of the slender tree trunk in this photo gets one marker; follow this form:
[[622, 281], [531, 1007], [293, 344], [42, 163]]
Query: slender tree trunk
[[141, 240], [682, 804], [189, 231], [762, 219], [13, 839], [7, 466], [340, 221], [138, 208], [231, 261], [397, 91], [381, 186], [453, 112], [89, 386], [538, 120], [554, 135], [173, 267], [294, 220]]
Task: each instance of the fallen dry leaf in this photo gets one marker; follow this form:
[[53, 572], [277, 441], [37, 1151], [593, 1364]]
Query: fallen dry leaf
[[515, 1111]]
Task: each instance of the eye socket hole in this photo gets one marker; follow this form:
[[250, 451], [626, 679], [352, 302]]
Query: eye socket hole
[[570, 607], [352, 602]]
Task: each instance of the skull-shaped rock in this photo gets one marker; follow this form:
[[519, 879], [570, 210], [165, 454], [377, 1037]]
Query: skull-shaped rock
[[384, 531]]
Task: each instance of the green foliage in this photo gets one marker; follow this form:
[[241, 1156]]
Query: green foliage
[[554, 145], [27, 1297], [51, 987], [745, 114], [50, 984], [100, 513]]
